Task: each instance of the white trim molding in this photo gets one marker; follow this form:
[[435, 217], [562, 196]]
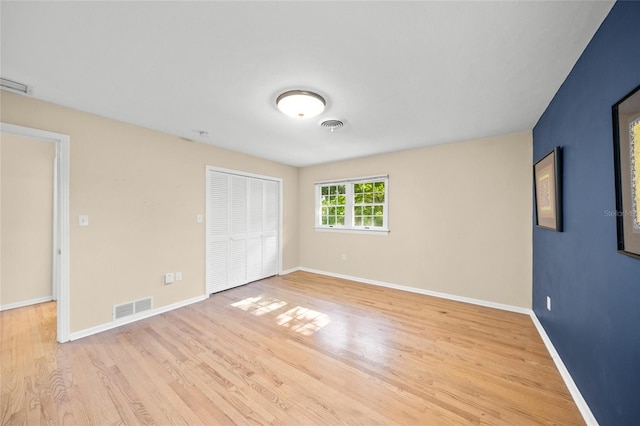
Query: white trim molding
[[587, 415], [289, 271], [25, 303], [135, 317]]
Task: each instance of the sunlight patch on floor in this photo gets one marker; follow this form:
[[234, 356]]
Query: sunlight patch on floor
[[303, 320], [299, 319], [259, 305]]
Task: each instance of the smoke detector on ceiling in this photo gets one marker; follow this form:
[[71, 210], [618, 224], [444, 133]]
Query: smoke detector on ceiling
[[332, 124], [14, 86]]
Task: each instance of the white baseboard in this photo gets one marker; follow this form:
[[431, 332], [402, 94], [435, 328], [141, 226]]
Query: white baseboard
[[133, 318], [582, 405], [289, 271], [470, 300], [587, 415], [26, 303]]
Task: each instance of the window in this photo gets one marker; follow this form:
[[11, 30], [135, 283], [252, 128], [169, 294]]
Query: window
[[358, 204], [334, 202]]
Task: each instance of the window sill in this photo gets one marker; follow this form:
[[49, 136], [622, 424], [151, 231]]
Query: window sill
[[352, 230]]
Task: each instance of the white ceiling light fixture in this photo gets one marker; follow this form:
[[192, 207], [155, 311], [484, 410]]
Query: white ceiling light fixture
[[300, 103]]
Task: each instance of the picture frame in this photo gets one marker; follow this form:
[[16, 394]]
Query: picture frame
[[626, 149], [547, 183]]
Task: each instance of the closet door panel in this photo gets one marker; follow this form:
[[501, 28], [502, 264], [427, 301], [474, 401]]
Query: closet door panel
[[238, 207], [254, 259], [255, 229], [217, 231], [270, 256], [271, 225], [237, 263]]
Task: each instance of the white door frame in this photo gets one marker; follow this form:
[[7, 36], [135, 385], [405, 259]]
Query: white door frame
[[249, 175], [60, 284]]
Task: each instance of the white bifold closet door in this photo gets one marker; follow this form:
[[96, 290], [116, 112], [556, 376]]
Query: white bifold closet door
[[242, 229]]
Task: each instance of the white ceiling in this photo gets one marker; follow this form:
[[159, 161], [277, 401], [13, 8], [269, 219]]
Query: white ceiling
[[402, 74]]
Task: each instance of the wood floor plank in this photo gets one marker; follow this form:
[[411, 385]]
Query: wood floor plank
[[301, 349]]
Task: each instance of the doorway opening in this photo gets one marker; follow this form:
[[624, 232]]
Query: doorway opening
[[60, 234]]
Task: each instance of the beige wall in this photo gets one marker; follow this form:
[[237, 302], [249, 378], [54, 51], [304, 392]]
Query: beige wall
[[26, 218], [459, 215], [142, 191]]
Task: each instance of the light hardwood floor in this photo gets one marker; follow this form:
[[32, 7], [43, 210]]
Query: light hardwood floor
[[301, 349]]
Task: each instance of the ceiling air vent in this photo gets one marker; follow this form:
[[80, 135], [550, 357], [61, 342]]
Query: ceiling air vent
[[16, 87], [332, 124]]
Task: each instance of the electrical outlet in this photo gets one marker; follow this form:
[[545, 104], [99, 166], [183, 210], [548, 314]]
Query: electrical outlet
[[168, 278], [344, 257], [548, 303], [83, 220], [178, 276]]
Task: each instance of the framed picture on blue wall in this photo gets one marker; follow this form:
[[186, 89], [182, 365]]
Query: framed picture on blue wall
[[626, 148], [547, 184]]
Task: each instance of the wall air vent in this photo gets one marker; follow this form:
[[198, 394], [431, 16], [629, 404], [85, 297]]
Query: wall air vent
[[142, 305], [123, 310], [14, 86], [130, 308]]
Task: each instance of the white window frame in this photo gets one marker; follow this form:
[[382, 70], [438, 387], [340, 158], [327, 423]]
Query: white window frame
[[349, 207]]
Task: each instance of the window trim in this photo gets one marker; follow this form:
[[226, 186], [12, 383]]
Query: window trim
[[348, 226]]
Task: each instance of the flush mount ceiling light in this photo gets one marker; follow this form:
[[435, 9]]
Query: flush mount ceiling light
[[300, 103]]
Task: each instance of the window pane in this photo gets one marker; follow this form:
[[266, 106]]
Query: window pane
[[365, 206]]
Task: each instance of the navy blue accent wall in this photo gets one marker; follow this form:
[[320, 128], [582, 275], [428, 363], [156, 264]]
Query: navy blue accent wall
[[594, 321]]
